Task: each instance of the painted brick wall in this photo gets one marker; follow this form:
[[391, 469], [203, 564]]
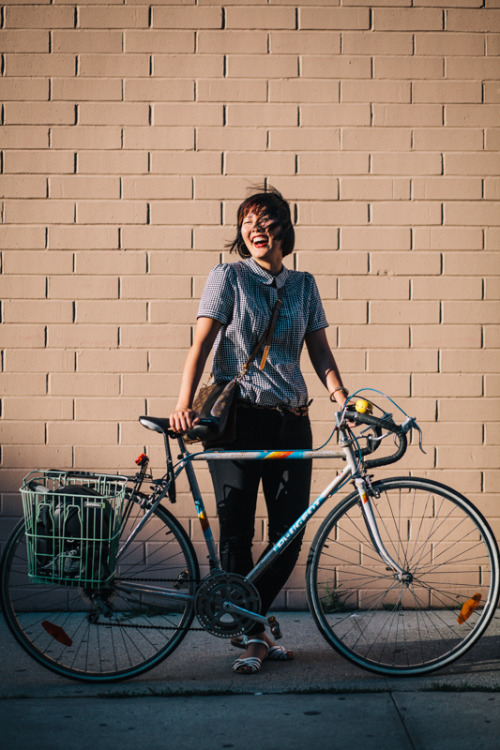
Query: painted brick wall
[[130, 132]]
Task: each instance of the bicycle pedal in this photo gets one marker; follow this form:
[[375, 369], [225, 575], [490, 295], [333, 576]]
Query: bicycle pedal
[[275, 627], [182, 578]]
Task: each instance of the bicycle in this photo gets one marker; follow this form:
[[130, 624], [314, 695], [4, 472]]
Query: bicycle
[[402, 577]]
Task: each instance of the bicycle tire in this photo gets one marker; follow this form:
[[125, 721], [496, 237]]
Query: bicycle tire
[[404, 628], [108, 634]]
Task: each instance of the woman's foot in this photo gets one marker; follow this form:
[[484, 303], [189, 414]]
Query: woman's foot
[[251, 661], [279, 653], [274, 652]]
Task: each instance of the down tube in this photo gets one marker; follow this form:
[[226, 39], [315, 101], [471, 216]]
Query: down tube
[[294, 529]]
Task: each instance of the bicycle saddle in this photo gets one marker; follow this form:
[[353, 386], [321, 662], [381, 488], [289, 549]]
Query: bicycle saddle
[[158, 424], [202, 431]]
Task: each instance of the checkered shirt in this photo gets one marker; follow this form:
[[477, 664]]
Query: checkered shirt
[[241, 296]]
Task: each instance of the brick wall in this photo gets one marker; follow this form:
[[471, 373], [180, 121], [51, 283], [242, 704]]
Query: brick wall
[[130, 132]]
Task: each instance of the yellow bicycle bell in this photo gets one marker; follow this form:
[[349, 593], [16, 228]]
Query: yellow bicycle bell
[[363, 406]]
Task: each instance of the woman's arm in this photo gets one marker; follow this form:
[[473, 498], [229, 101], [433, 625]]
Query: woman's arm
[[324, 364], [183, 417]]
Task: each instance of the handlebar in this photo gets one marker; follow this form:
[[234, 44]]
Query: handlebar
[[385, 423], [204, 428], [380, 424]]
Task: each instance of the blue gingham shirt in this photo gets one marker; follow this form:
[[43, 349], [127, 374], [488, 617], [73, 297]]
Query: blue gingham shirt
[[241, 296]]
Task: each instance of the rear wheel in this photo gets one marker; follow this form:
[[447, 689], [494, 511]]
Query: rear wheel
[[106, 634], [448, 595]]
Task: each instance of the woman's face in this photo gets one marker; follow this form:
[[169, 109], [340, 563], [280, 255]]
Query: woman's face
[[259, 237]]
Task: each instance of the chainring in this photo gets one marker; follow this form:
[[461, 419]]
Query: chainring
[[213, 592]]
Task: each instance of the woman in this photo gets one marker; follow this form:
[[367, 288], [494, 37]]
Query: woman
[[234, 312]]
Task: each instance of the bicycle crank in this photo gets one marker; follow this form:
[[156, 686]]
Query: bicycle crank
[[227, 605]]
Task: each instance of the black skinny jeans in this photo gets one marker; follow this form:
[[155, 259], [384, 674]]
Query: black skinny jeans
[[286, 485]]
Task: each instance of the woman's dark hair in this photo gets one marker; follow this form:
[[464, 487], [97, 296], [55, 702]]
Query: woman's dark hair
[[268, 203]]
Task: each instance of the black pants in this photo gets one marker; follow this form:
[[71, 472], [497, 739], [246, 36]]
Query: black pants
[[286, 485]]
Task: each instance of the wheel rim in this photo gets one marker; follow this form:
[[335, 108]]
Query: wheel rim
[[405, 624], [109, 633]]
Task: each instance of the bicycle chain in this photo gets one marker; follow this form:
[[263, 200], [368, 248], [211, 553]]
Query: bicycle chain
[[144, 627], [202, 608], [148, 627]]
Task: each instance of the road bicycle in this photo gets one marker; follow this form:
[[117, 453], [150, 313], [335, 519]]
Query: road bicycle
[[402, 577]]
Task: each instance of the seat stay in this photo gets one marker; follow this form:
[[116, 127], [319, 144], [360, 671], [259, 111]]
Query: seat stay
[[137, 528]]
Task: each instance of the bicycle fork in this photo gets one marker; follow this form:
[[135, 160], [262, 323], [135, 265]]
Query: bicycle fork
[[369, 518]]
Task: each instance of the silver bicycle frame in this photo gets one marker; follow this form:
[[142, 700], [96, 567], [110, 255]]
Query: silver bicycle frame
[[352, 469]]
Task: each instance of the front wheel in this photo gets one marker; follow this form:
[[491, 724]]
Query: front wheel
[[114, 632], [437, 611]]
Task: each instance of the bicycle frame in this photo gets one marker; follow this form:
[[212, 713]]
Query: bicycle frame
[[392, 619], [351, 470]]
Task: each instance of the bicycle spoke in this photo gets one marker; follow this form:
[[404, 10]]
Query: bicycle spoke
[[412, 625], [111, 633]]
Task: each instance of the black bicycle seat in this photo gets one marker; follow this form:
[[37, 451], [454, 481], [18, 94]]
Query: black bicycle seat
[[158, 424]]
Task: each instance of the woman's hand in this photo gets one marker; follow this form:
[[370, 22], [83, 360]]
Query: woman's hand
[[181, 420]]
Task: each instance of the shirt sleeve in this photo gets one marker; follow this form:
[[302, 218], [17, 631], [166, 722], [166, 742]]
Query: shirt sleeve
[[317, 318], [217, 300]]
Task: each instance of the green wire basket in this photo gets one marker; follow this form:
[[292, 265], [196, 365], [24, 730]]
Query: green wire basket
[[72, 523]]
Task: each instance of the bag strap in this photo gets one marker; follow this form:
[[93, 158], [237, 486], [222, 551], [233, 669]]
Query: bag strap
[[270, 331], [267, 338]]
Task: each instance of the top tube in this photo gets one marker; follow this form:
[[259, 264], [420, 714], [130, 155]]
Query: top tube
[[256, 455]]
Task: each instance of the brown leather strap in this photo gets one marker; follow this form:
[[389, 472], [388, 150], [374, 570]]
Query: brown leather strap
[[270, 331], [267, 337]]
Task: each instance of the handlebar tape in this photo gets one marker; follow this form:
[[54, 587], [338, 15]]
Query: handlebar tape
[[385, 423]]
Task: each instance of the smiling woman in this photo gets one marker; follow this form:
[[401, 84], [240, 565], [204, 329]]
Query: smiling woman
[[262, 244], [264, 220], [272, 408]]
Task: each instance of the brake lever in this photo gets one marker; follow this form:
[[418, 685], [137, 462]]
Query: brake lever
[[409, 424]]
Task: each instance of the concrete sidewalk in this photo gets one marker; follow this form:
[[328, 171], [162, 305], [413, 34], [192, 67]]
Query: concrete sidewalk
[[202, 664], [195, 699]]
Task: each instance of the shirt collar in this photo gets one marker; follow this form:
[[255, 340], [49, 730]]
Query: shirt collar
[[266, 276]]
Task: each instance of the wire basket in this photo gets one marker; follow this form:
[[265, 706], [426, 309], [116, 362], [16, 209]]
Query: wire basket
[[72, 522]]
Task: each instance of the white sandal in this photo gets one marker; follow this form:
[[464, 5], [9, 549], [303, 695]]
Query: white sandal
[[250, 664], [279, 653], [274, 653]]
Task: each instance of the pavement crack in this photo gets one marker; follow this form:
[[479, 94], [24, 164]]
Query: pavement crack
[[402, 720]]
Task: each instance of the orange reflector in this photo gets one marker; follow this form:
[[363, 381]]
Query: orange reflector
[[468, 608], [141, 460], [58, 633]]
